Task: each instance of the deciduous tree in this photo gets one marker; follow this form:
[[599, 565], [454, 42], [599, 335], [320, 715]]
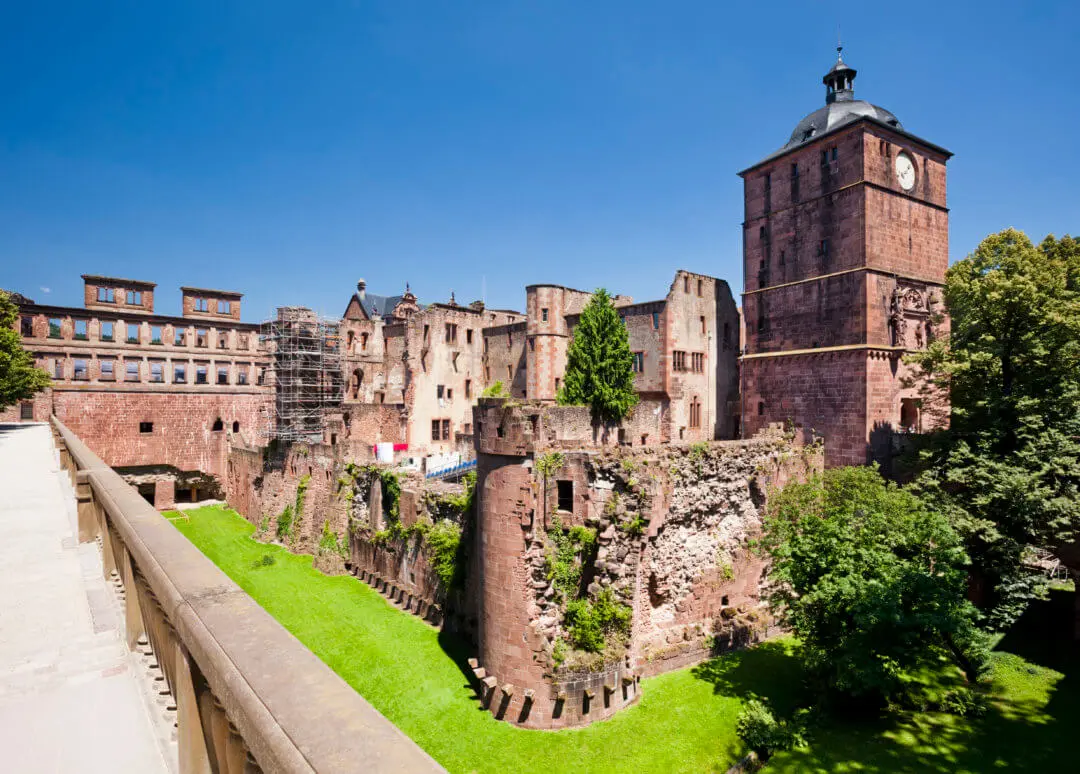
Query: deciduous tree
[[19, 377], [1008, 468], [871, 580]]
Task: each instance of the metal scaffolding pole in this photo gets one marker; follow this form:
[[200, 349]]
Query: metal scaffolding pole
[[306, 373]]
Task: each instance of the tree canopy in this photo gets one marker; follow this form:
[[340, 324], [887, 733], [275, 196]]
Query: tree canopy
[[19, 377], [1007, 470], [871, 581], [599, 363]]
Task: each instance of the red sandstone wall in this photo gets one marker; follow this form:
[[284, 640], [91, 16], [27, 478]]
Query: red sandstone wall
[[108, 422]]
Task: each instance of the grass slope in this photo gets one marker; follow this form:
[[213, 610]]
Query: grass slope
[[413, 675], [685, 721]]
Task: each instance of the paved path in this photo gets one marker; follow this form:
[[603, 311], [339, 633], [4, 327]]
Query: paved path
[[71, 695]]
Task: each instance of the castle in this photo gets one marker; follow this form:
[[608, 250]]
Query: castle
[[647, 522]]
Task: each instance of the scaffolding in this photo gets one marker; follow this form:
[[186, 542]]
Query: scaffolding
[[305, 372]]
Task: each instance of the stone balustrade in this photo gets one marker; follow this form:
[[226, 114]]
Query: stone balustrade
[[249, 696]]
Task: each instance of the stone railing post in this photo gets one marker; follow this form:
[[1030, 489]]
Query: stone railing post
[[191, 743], [132, 610], [89, 512]]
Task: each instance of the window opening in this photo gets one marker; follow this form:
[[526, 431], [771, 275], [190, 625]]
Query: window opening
[[565, 491]]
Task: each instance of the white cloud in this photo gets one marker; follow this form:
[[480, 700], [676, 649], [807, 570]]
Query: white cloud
[[46, 290]]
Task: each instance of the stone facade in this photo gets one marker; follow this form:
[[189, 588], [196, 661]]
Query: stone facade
[[844, 266], [672, 525], [144, 389]]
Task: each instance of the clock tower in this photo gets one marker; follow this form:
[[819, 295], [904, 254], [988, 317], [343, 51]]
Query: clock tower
[[845, 246]]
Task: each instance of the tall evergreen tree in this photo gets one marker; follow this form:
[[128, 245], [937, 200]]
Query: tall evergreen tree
[[19, 377], [599, 363], [1008, 467]]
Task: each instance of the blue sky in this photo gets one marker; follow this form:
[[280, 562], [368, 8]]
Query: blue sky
[[287, 149]]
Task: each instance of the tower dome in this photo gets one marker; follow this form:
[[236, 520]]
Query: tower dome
[[840, 107]]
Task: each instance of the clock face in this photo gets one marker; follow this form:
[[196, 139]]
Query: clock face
[[905, 171]]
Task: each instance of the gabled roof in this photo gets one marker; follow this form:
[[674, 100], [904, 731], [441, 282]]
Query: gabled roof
[[373, 304]]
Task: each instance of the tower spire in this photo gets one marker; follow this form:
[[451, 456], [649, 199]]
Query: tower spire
[[840, 80]]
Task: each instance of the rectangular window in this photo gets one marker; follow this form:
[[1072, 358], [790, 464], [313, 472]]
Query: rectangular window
[[678, 361], [446, 429], [132, 333], [202, 305], [54, 327], [544, 315], [134, 298], [108, 370], [532, 345], [223, 340], [200, 374], [58, 368], [451, 333], [224, 307], [157, 372], [81, 371], [202, 338], [180, 336], [27, 327], [242, 341], [106, 295], [107, 331], [434, 429], [155, 334], [146, 427], [468, 388], [242, 373], [487, 374], [131, 370], [700, 285], [26, 410], [656, 321], [449, 393], [510, 373], [703, 330], [685, 284], [440, 391], [468, 429], [363, 342], [80, 332], [566, 495], [639, 362], [261, 377], [223, 375], [468, 335], [823, 248], [697, 360], [834, 153], [695, 413], [179, 373]]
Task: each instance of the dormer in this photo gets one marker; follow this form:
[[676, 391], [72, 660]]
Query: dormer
[[116, 294], [206, 304]]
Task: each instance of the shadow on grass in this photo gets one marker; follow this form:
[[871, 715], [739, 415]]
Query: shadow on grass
[[770, 670], [1034, 707], [459, 649]]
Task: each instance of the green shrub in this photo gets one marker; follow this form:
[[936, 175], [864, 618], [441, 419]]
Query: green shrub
[[558, 652], [548, 464], [495, 390], [763, 733], [265, 561], [444, 542], [391, 492], [329, 541], [285, 522], [963, 702], [588, 623], [568, 551]]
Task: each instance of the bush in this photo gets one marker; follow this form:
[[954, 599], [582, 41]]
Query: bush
[[444, 541], [963, 702], [329, 541], [763, 733], [265, 561], [285, 522], [567, 552], [588, 623], [495, 390]]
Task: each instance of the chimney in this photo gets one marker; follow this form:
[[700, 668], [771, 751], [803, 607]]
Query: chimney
[[361, 289]]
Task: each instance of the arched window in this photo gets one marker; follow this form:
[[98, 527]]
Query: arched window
[[218, 425], [236, 426], [357, 381]]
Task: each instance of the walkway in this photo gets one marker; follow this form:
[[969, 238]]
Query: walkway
[[71, 696]]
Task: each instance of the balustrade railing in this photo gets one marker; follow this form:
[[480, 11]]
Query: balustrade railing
[[249, 696]]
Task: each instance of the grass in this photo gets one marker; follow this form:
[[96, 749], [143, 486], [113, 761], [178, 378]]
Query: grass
[[685, 721], [414, 675]]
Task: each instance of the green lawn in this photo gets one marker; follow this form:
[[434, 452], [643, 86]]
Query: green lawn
[[684, 722]]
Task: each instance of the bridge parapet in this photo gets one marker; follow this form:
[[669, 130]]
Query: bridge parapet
[[249, 696]]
